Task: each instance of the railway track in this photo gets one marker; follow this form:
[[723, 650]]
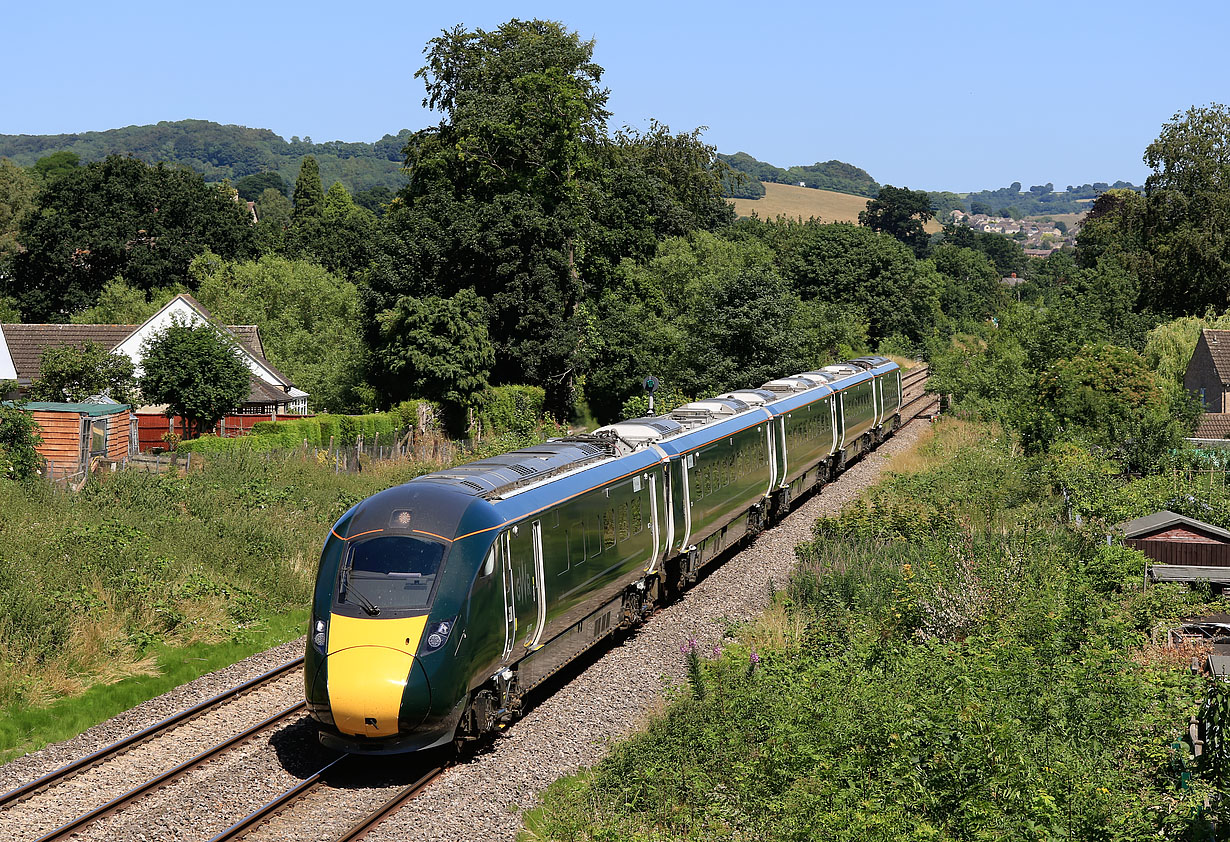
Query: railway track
[[330, 781], [160, 728], [301, 793]]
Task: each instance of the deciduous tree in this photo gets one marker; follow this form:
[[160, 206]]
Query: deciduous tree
[[196, 371], [901, 213], [71, 373]]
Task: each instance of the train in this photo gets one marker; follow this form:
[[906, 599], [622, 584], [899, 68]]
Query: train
[[440, 603]]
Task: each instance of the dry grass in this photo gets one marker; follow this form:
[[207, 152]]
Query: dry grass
[[805, 203], [938, 444], [1068, 219], [778, 629], [905, 362]]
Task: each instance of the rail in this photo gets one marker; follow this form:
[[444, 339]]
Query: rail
[[120, 746]]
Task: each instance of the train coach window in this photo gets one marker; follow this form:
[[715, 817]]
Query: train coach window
[[395, 572], [608, 529], [576, 544], [638, 518], [621, 515]]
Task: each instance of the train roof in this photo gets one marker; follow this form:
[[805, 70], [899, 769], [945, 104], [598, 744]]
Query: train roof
[[498, 475]]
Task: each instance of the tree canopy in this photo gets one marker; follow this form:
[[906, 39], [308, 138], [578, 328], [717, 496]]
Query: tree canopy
[[196, 371], [120, 217], [73, 374], [901, 213]]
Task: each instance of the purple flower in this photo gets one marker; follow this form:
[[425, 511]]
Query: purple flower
[[755, 659], [717, 651], [690, 646]]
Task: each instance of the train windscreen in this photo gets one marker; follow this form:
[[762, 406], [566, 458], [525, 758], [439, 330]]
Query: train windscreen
[[395, 572]]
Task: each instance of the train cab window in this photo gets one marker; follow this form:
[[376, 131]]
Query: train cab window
[[394, 572]]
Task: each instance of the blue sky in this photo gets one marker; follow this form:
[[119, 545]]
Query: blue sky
[[957, 96]]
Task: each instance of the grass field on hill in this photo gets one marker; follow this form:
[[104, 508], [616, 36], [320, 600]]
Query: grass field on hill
[[805, 202]]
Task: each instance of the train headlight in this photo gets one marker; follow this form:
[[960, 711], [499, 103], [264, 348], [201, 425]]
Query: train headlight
[[320, 633], [437, 635]]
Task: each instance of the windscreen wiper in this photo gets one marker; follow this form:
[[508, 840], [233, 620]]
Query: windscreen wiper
[[366, 604]]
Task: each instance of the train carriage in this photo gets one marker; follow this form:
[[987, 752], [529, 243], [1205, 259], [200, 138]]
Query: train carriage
[[440, 602]]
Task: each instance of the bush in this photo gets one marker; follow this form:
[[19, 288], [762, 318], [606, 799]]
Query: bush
[[19, 440], [511, 409]]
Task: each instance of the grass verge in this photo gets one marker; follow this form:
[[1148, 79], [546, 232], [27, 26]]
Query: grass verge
[[24, 728]]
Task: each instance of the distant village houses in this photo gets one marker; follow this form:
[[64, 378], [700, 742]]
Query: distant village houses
[[1038, 238]]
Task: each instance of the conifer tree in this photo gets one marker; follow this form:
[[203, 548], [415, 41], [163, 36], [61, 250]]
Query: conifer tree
[[309, 192]]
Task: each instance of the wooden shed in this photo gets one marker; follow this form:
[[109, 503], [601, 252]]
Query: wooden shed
[[75, 433], [1170, 538]]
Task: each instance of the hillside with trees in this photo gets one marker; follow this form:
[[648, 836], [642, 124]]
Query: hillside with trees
[[220, 152], [837, 176]]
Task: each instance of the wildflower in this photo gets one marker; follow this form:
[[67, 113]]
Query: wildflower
[[689, 647], [717, 651]]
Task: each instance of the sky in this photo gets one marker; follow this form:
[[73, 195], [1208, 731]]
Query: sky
[[936, 96]]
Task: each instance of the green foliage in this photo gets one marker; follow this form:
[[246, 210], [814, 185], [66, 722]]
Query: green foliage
[[1106, 396], [972, 289], [250, 187], [195, 370], [901, 213], [436, 348], [837, 176], [19, 440], [56, 165], [17, 191], [921, 677], [512, 409], [220, 152], [120, 217], [121, 304], [73, 374], [309, 197], [864, 271], [308, 319]]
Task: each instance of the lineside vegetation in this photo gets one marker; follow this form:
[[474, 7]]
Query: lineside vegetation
[[952, 659]]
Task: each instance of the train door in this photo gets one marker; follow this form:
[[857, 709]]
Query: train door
[[781, 427], [655, 528], [877, 401], [541, 582], [504, 560], [525, 555]]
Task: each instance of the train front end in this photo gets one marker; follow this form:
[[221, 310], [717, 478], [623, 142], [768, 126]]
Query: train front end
[[380, 674]]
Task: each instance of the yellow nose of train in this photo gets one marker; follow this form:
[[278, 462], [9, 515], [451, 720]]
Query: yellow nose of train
[[375, 685]]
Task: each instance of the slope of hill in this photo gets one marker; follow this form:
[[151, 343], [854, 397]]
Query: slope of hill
[[830, 175], [217, 152], [804, 203]]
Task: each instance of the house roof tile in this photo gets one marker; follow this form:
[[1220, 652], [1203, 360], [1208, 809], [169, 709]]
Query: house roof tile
[[1219, 349], [1163, 519]]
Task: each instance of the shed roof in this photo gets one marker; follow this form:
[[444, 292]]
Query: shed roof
[[92, 409], [1161, 520], [1213, 425]]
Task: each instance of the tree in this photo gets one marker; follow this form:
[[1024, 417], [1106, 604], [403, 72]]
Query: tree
[[1107, 397], [121, 304], [115, 217], [250, 187], [982, 208], [435, 348], [901, 213], [19, 440], [496, 200], [56, 165], [17, 191], [1187, 211], [972, 290], [273, 215], [308, 319], [868, 273], [73, 374], [309, 192], [196, 371]]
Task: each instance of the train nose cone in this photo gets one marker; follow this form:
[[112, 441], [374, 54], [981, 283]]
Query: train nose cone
[[371, 670], [371, 687]]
